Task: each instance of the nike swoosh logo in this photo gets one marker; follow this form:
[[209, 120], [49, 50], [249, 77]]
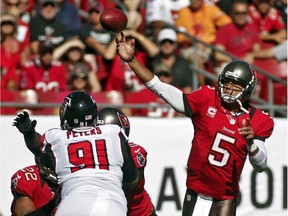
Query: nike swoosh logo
[[136, 151], [18, 176]]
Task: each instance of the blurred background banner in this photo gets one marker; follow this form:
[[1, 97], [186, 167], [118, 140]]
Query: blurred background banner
[[168, 143]]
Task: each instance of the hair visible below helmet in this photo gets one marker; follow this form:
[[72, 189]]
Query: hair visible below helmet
[[78, 109], [237, 72], [111, 115]]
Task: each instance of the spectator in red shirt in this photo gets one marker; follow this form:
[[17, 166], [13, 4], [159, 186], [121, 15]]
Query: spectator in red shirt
[[11, 50], [42, 73], [17, 8], [240, 38], [72, 53], [268, 19], [121, 77]]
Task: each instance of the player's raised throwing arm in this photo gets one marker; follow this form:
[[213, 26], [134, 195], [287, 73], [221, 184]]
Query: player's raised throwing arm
[[169, 93]]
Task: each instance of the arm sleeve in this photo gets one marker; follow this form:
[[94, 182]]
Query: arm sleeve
[[172, 95], [258, 161]]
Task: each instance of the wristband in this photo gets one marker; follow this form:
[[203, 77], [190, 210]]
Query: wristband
[[130, 59], [252, 147]]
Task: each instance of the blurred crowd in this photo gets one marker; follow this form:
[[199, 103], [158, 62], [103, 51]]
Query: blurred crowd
[[56, 46]]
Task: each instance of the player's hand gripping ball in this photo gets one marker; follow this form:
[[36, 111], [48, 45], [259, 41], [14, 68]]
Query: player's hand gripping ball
[[113, 19]]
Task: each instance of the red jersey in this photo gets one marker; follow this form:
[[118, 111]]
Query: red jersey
[[218, 151], [9, 63], [34, 76], [271, 22], [146, 96], [238, 41], [28, 182], [139, 201], [122, 78]]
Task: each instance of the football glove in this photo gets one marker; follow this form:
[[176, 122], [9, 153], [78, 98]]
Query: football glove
[[24, 123]]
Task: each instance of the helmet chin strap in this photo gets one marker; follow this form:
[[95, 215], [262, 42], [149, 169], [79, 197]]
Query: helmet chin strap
[[241, 107]]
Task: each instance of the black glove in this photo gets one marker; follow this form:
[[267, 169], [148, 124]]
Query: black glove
[[24, 123]]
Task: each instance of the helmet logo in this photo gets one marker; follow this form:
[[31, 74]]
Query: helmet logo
[[123, 120], [67, 101], [232, 74]]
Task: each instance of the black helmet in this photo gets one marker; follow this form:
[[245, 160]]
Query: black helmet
[[241, 73], [78, 109], [46, 172], [111, 115]]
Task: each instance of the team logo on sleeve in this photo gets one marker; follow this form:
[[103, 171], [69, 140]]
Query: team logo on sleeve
[[211, 112], [140, 159]]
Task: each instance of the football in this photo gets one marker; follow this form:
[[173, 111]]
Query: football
[[114, 20]]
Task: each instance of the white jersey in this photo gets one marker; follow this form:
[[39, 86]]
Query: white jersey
[[88, 165], [166, 11]]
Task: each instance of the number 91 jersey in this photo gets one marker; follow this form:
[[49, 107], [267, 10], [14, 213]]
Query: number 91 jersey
[[88, 157], [218, 151]]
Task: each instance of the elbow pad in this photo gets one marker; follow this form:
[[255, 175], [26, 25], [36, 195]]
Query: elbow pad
[[259, 161]]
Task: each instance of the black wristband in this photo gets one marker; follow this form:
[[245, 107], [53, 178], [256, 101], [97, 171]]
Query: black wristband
[[130, 59]]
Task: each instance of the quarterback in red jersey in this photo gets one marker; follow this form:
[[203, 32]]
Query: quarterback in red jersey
[[34, 190], [139, 201], [226, 129]]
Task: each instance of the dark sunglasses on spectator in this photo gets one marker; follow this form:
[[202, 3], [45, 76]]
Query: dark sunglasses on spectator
[[7, 23], [240, 12], [12, 4], [167, 41], [48, 3]]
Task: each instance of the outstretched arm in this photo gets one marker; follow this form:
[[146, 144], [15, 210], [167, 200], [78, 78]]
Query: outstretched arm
[[169, 93], [27, 128]]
